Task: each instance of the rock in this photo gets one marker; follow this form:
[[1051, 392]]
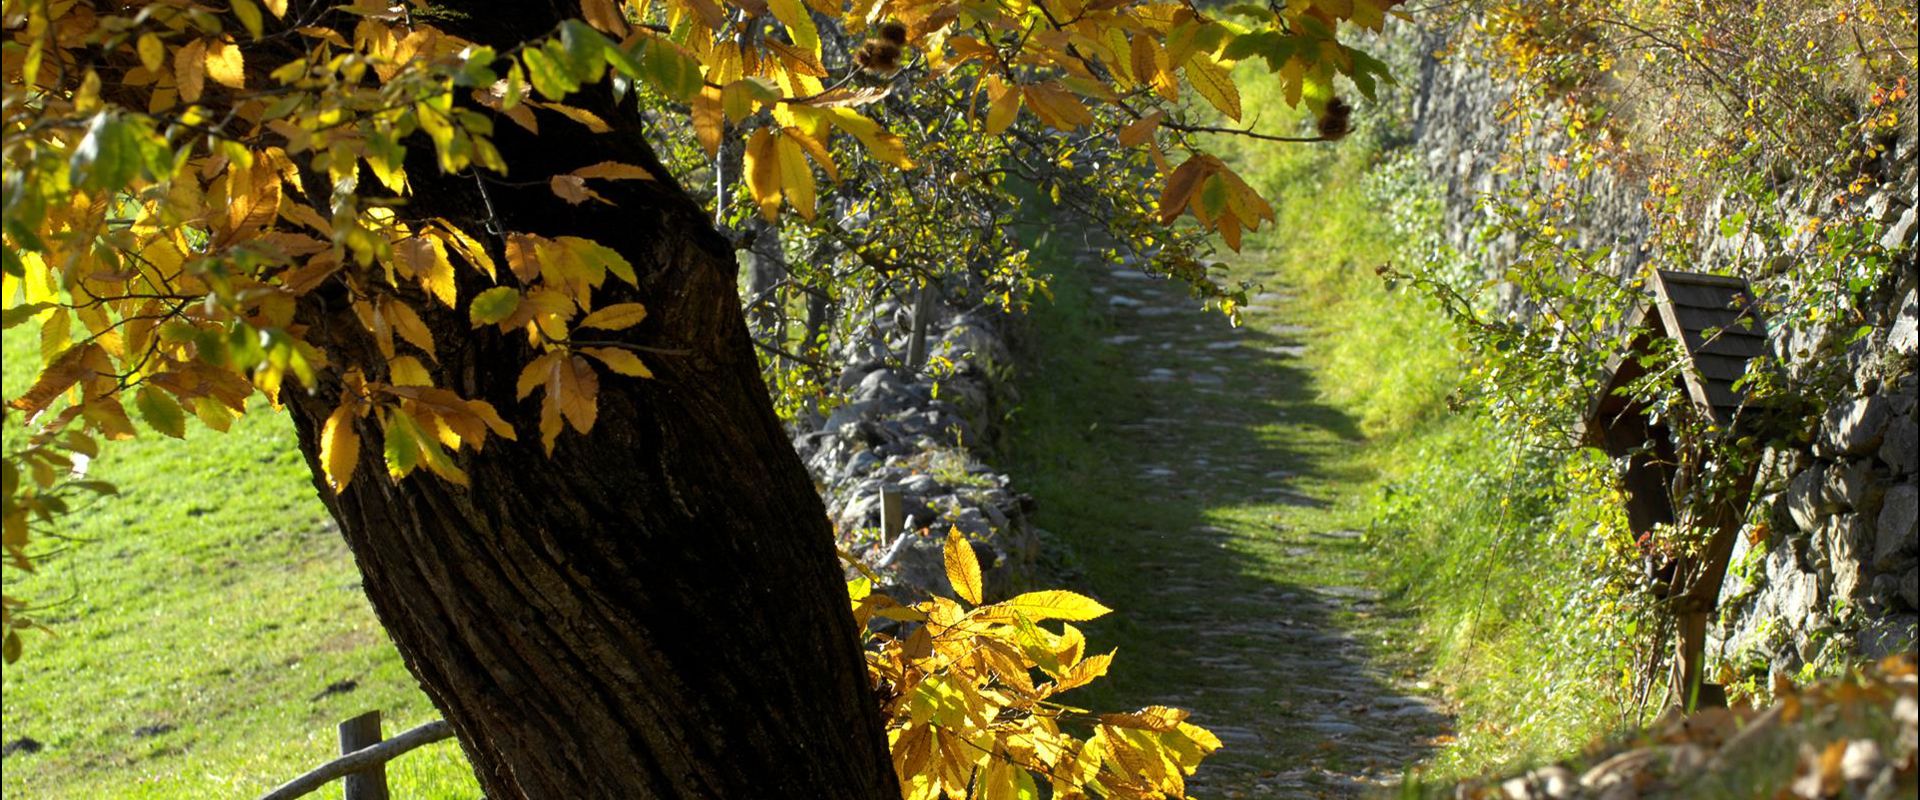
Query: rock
[[1551, 783], [1903, 336], [879, 383], [1805, 498], [1798, 596], [1853, 427], [1851, 486], [1844, 540], [1898, 234], [1898, 526], [1900, 450], [854, 373], [846, 415]]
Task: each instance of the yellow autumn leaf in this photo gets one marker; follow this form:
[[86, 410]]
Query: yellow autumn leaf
[[190, 70], [963, 567], [883, 144], [1212, 81], [1048, 604], [762, 170], [709, 123], [593, 121], [407, 323], [796, 177], [408, 371], [534, 374], [615, 171], [1003, 105], [153, 53], [621, 361], [1144, 57], [225, 65], [426, 258], [339, 448], [523, 256], [816, 149], [578, 392], [1142, 129], [1056, 106], [573, 189], [616, 317], [1180, 187], [1153, 718]]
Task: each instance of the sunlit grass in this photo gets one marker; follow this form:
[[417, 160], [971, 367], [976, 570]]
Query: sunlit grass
[[198, 619]]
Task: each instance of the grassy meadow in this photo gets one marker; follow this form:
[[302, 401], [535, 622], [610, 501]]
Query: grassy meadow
[[198, 622]]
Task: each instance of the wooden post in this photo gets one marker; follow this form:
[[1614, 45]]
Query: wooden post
[[892, 513], [355, 734], [917, 341]]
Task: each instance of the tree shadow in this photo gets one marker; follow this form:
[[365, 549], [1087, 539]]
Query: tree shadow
[[1191, 470]]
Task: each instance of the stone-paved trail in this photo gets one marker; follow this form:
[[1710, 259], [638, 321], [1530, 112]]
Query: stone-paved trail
[[1202, 502]]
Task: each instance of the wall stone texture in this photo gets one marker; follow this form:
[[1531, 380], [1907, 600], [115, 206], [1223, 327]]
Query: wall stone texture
[[924, 434], [1837, 572]]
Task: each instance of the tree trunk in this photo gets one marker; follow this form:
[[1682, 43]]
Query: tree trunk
[[656, 610]]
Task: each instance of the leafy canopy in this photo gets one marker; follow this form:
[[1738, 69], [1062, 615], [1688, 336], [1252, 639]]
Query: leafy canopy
[[157, 156]]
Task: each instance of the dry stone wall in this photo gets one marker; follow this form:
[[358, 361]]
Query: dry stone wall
[[1837, 571], [923, 435]]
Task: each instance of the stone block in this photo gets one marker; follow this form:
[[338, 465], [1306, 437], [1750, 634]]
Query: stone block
[[1853, 427], [1845, 544], [1900, 449], [1806, 498], [1897, 526], [1903, 336], [1795, 593], [1900, 233], [1851, 485]]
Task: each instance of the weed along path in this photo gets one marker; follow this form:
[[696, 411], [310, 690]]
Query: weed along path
[[1198, 482]]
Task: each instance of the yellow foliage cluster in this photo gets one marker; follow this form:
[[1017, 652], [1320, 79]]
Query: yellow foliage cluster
[[972, 698]]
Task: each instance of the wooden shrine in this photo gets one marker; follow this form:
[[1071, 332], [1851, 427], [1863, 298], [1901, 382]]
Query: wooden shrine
[[1713, 321]]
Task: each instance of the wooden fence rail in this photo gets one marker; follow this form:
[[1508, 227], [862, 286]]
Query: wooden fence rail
[[363, 759]]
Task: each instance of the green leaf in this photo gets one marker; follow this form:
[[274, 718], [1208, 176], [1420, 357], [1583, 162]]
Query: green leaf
[[476, 67], [161, 412], [671, 70], [1213, 197], [402, 444], [597, 256], [549, 75], [582, 48], [494, 305], [623, 62], [108, 157], [21, 313], [249, 15]]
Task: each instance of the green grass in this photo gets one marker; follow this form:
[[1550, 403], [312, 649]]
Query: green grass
[[212, 596], [1488, 544]]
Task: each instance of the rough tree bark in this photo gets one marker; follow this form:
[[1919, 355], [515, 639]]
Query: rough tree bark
[[656, 610]]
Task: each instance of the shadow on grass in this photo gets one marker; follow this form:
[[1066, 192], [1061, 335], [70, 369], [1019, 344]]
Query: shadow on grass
[[1193, 473]]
